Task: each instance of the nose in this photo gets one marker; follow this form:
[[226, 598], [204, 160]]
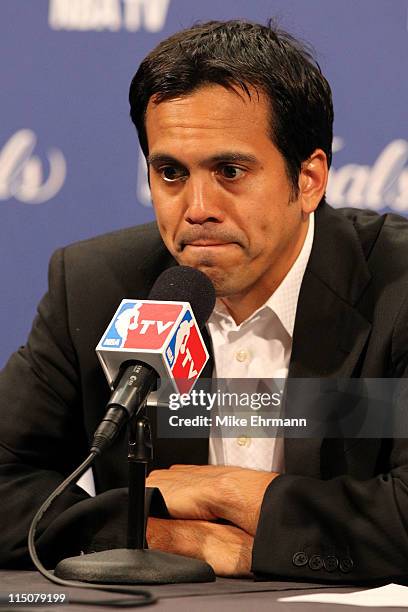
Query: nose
[[202, 201]]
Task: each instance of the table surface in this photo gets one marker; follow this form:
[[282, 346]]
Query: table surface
[[224, 595]]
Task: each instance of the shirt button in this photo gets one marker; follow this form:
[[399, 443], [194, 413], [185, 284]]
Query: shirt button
[[243, 441], [242, 355]]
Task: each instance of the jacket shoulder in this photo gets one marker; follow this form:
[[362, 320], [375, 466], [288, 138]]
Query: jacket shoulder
[[135, 239], [386, 233], [121, 255], [100, 271]]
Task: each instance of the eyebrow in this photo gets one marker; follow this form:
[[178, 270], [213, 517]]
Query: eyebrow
[[224, 156]]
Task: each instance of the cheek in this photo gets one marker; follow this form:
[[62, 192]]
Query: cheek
[[265, 237], [167, 227], [162, 224], [262, 228], [162, 213], [167, 209]]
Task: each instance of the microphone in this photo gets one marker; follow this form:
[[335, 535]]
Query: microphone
[[146, 339], [155, 338]]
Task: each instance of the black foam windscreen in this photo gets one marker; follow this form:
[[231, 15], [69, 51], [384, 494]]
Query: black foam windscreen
[[186, 284]]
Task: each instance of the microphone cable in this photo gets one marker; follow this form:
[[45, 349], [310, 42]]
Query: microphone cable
[[141, 597]]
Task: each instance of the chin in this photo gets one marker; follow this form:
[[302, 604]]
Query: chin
[[225, 283]]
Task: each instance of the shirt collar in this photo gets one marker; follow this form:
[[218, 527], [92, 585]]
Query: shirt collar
[[283, 302]]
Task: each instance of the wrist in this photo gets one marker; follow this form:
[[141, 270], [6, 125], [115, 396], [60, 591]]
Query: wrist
[[175, 536], [238, 496], [224, 498]]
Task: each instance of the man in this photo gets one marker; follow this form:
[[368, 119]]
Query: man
[[235, 120]]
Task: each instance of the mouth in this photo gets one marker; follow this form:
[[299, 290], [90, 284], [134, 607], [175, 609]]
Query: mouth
[[207, 243]]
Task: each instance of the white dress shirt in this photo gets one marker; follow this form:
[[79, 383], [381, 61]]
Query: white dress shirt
[[259, 348]]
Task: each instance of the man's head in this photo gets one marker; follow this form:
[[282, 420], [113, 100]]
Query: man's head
[[242, 55], [235, 122]]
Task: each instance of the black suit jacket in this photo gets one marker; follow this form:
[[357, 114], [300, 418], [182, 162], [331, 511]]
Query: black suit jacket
[[339, 511]]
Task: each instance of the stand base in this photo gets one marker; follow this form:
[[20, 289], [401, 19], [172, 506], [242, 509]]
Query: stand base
[[129, 566]]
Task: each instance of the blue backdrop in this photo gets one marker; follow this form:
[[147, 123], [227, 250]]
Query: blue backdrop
[[70, 165]]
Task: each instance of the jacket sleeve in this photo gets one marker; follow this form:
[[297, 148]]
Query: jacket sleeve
[[344, 529], [338, 530], [42, 440]]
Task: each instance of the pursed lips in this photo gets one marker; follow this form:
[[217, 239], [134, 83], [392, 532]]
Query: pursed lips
[[227, 239], [207, 243]]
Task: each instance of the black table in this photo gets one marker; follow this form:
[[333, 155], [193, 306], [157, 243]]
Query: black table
[[225, 595]]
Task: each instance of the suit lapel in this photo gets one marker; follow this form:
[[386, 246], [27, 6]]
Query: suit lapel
[[329, 334]]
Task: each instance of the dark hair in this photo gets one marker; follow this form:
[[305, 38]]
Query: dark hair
[[247, 55]]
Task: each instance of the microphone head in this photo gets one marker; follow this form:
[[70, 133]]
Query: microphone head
[[186, 284]]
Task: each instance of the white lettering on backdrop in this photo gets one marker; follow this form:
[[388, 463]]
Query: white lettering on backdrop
[[382, 185], [111, 15], [22, 174]]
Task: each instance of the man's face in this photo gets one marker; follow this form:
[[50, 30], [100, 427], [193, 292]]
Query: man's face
[[221, 193]]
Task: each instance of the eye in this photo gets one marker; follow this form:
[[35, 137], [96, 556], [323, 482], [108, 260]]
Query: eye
[[231, 172], [171, 173]]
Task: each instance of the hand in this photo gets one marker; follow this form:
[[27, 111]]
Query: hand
[[226, 548], [210, 492]]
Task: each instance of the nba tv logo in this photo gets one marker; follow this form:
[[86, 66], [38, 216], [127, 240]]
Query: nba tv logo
[[142, 325], [185, 354], [162, 334]]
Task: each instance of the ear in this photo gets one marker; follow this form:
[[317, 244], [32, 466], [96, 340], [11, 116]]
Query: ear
[[313, 180]]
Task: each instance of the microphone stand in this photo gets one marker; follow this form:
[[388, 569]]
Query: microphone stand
[[136, 564], [140, 452]]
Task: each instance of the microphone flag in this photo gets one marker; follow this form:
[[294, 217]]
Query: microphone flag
[[162, 334]]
